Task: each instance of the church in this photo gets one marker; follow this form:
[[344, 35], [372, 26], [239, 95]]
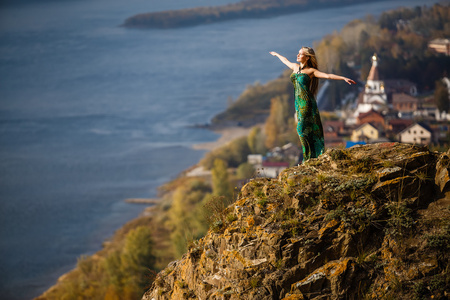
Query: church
[[374, 96]]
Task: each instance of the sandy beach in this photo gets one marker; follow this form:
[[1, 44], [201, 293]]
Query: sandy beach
[[227, 134]]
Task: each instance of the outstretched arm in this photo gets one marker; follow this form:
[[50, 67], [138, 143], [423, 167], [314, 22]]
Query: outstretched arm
[[319, 74], [284, 60]]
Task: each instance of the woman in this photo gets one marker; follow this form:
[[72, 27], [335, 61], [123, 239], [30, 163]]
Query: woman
[[305, 79]]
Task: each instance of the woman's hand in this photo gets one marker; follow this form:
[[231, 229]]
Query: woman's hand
[[349, 81], [284, 60]]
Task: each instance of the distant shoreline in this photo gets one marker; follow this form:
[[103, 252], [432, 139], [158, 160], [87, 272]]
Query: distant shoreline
[[227, 134], [246, 9]]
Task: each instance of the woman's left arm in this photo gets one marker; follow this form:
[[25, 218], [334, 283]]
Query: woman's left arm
[[323, 75]]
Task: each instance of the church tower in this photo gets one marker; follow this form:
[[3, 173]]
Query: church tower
[[374, 91], [374, 97]]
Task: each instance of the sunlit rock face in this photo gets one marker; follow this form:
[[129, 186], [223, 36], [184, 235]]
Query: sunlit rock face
[[369, 222]]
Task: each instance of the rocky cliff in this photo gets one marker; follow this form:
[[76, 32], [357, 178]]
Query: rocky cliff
[[369, 222]]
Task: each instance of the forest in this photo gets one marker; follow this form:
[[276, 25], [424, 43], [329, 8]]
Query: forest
[[243, 9], [128, 263]]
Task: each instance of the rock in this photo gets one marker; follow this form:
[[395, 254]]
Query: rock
[[442, 178], [389, 173], [343, 226]]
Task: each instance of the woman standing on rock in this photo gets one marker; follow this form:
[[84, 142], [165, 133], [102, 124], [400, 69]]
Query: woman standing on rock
[[305, 78]]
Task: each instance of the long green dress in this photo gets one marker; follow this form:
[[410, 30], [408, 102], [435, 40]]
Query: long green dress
[[309, 126]]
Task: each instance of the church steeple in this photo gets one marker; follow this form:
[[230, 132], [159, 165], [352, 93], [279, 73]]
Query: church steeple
[[373, 74], [374, 97], [374, 84]]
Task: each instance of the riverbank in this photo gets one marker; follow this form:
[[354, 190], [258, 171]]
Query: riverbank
[[227, 134]]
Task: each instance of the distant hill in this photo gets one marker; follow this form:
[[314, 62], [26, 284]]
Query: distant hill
[[7, 3], [240, 10]]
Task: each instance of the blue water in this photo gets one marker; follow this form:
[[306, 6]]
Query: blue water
[[92, 113]]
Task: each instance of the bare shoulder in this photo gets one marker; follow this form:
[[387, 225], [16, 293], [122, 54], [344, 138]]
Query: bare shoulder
[[309, 71], [295, 67]]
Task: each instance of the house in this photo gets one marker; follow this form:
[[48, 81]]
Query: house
[[272, 169], [417, 133], [366, 132], [372, 117], [398, 125], [291, 151], [255, 160], [428, 111], [288, 152], [440, 46], [278, 159], [333, 128], [398, 86], [402, 102]]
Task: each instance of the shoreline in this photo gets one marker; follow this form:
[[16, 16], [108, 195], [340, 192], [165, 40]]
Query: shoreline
[[203, 15], [227, 134]]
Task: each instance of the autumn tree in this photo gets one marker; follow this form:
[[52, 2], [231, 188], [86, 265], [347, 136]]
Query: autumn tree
[[185, 217], [329, 52], [278, 121], [220, 182], [245, 171], [136, 260], [255, 141]]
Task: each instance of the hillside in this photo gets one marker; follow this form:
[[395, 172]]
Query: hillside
[[240, 10], [369, 222]]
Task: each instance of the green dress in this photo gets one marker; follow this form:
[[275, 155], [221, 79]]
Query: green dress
[[309, 126]]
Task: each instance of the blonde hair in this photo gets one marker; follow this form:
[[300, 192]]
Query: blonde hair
[[312, 63]]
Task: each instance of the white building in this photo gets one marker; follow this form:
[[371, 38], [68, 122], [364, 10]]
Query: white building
[[416, 134], [272, 169], [374, 97], [256, 160]]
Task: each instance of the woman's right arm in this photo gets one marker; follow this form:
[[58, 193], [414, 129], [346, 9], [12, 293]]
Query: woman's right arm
[[284, 60]]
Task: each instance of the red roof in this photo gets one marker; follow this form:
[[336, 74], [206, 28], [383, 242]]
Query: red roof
[[402, 97], [370, 112], [275, 164]]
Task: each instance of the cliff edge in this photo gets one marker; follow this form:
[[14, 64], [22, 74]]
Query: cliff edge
[[369, 222]]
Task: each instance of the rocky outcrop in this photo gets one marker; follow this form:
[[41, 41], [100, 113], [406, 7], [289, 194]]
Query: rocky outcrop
[[367, 222]]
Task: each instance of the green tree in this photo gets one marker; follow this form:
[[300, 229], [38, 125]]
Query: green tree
[[245, 171], [220, 181], [186, 221], [255, 141], [136, 260], [112, 273]]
